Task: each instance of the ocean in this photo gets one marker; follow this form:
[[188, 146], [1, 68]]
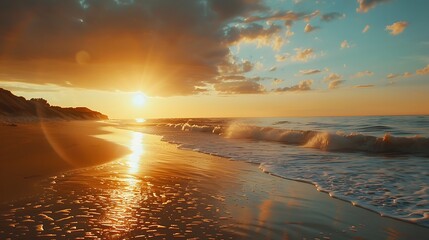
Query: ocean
[[380, 163]]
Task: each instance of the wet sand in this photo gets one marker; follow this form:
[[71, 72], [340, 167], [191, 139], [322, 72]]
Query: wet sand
[[32, 151], [161, 192]]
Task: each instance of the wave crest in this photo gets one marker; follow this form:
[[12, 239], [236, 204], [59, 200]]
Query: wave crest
[[331, 141]]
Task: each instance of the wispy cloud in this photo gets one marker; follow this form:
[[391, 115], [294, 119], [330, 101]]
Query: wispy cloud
[[364, 86], [397, 27], [304, 85], [335, 84], [272, 69], [366, 5], [332, 16], [362, 74], [255, 32], [282, 58], [423, 71], [303, 55], [309, 71], [366, 28], [239, 87], [334, 80], [309, 28], [401, 75], [344, 44], [277, 81]]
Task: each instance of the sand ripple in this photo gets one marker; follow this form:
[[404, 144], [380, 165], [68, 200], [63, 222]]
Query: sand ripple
[[108, 202]]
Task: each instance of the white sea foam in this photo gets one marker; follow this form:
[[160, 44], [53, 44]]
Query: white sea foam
[[379, 163], [338, 141]]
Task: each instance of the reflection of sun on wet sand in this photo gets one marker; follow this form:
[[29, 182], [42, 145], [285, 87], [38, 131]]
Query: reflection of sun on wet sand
[[158, 191], [31, 151]]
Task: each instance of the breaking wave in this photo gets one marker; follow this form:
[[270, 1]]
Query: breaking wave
[[326, 141], [322, 140]]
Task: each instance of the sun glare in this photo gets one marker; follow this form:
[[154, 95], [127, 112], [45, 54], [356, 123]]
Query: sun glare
[[139, 99]]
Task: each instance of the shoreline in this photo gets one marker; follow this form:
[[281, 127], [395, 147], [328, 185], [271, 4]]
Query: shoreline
[[313, 184], [34, 150], [161, 191]]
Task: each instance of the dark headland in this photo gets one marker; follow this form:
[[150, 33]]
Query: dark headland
[[15, 108]]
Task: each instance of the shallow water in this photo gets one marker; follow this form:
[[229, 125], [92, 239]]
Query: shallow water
[[118, 200], [380, 163], [159, 192]]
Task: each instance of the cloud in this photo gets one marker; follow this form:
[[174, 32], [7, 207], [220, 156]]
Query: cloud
[[277, 43], [282, 58], [423, 71], [239, 87], [366, 28], [332, 16], [335, 84], [160, 47], [272, 69], [344, 44], [332, 77], [304, 85], [403, 75], [362, 74], [397, 27], [364, 86], [251, 32], [303, 55], [235, 67], [277, 81], [366, 5], [308, 28], [289, 17], [407, 75], [28, 87], [333, 80], [392, 76], [309, 71]]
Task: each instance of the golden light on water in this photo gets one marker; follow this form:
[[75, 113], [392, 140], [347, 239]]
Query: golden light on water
[[137, 150], [140, 120]]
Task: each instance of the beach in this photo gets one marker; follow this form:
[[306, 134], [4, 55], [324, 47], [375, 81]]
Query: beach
[[89, 180], [33, 150]]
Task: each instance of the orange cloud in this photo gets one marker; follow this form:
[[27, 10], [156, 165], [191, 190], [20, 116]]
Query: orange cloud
[[239, 87], [252, 32], [333, 80], [335, 83], [404, 75], [366, 5], [397, 27], [309, 71], [423, 71], [304, 85], [160, 47], [303, 55], [362, 74], [308, 28], [364, 86], [344, 44]]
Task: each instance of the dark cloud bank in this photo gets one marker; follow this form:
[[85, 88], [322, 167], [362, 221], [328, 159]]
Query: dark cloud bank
[[162, 47]]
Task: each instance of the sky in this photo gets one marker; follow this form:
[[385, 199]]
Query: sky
[[219, 58]]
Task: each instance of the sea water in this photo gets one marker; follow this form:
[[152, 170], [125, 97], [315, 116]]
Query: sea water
[[379, 162]]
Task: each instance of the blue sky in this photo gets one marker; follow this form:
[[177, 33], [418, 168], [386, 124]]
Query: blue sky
[[376, 50]]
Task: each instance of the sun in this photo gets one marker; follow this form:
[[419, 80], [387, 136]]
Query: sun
[[139, 99]]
